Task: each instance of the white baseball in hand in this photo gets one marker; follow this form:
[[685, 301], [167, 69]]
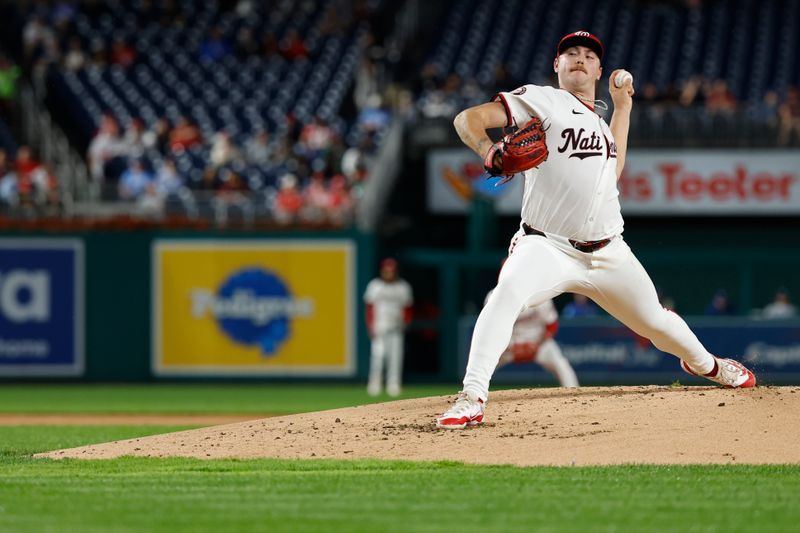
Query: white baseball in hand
[[621, 77]]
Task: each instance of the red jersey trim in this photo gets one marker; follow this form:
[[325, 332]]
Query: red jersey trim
[[502, 98]]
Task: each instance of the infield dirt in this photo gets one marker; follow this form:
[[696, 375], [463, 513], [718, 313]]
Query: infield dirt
[[587, 426]]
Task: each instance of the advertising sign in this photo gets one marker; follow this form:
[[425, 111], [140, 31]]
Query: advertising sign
[[602, 350], [253, 308], [711, 182], [654, 182], [456, 175], [41, 307]]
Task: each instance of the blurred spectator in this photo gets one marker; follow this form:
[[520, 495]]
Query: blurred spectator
[[122, 53], [184, 135], [45, 186], [158, 136], [766, 111], [168, 181], [292, 47], [719, 99], [288, 201], [223, 151], [104, 148], [134, 138], [25, 167], [780, 307], [257, 150], [367, 89], [316, 137], [75, 58], [691, 93], [720, 304], [231, 182], [356, 157], [340, 210], [790, 117], [316, 199], [215, 47], [8, 181], [136, 181], [37, 37], [334, 155], [580, 307]]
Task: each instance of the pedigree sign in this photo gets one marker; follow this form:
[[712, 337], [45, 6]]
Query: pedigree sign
[[711, 182]]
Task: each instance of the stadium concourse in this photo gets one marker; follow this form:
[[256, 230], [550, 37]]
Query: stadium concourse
[[233, 111]]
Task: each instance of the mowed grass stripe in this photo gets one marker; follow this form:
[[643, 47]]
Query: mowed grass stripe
[[263, 398], [16, 442], [275, 495]]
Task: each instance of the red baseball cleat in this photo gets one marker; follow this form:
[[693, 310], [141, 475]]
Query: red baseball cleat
[[467, 411], [729, 373]]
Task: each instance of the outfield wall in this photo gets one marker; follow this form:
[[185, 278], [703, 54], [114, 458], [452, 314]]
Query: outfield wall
[[149, 305], [139, 306], [601, 350]]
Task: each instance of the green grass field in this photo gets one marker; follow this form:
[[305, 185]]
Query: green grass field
[[140, 494]]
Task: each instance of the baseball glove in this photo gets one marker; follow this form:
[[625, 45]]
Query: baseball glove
[[519, 151]]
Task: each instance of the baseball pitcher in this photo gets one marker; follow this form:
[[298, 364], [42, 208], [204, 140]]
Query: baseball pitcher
[[388, 299], [570, 236], [532, 341]]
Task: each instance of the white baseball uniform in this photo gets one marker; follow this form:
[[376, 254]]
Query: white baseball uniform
[[572, 199], [529, 336], [389, 301]]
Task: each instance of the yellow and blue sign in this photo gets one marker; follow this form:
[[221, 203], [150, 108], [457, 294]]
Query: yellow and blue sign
[[253, 308], [41, 307]]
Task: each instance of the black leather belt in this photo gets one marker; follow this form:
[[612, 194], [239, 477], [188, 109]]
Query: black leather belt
[[585, 247]]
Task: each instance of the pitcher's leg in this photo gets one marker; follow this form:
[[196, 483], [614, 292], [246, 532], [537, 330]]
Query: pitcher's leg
[[394, 363], [378, 353], [622, 287], [551, 358], [533, 273]]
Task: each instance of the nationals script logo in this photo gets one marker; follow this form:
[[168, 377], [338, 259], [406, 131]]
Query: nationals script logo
[[583, 145]]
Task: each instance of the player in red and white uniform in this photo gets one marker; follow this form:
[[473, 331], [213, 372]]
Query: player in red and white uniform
[[388, 299], [532, 341], [570, 237]]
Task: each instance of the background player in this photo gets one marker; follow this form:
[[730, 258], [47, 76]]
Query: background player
[[532, 341], [388, 301], [570, 237]]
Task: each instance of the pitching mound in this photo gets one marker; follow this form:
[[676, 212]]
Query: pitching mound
[[588, 426]]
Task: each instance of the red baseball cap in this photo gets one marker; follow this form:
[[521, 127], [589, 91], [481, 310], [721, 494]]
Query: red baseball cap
[[389, 262], [581, 38]]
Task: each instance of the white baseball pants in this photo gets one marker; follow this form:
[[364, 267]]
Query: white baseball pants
[[387, 351], [540, 268], [551, 359]]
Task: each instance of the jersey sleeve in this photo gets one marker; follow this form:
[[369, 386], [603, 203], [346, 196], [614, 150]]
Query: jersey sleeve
[[408, 296], [370, 293], [524, 103]]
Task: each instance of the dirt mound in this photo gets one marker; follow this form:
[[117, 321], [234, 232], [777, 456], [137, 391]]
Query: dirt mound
[[587, 426]]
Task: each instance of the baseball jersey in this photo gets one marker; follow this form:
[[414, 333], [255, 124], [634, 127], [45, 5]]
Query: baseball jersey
[[532, 322], [574, 193], [388, 299]]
